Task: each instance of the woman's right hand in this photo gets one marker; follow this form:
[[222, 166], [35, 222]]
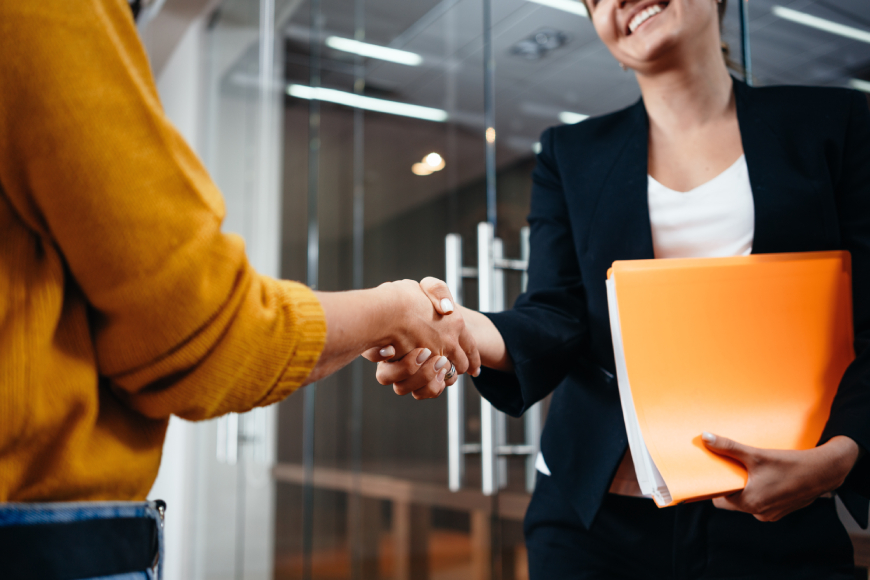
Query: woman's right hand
[[420, 372], [424, 314]]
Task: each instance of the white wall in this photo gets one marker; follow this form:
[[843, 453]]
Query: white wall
[[180, 87], [219, 519]]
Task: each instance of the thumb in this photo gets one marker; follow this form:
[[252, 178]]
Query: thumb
[[439, 294], [728, 447]]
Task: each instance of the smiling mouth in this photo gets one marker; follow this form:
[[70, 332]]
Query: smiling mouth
[[645, 15]]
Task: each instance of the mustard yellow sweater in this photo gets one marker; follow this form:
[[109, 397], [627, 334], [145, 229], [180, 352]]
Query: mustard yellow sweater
[[121, 302]]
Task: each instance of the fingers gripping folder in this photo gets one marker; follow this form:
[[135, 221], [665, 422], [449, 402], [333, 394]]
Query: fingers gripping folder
[[750, 347]]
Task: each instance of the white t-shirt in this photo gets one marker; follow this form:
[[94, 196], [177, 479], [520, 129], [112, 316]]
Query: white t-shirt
[[715, 219]]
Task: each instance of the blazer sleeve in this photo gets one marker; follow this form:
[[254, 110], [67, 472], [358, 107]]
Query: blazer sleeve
[[850, 412], [547, 326]]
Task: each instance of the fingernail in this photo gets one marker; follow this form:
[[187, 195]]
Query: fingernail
[[439, 364], [708, 437], [477, 372], [387, 351], [423, 356], [441, 374], [446, 305]]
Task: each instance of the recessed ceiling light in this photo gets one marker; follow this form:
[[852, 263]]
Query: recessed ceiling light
[[572, 6], [821, 23], [374, 51], [430, 164], [540, 44], [435, 161], [421, 169], [367, 103], [860, 85], [570, 118]]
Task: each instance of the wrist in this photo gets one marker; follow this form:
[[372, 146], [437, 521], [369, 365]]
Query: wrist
[[387, 315], [843, 453]]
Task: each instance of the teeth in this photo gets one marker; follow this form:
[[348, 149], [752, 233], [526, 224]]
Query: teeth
[[643, 16]]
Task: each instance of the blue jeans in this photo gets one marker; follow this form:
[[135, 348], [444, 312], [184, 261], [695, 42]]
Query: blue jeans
[[22, 514]]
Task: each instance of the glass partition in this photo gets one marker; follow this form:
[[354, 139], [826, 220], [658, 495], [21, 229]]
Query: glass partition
[[376, 156]]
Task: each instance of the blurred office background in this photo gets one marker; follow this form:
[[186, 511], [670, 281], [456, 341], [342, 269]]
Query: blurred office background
[[349, 137]]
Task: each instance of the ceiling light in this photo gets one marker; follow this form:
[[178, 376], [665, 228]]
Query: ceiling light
[[821, 23], [367, 103], [430, 164], [421, 169], [374, 51], [860, 85], [572, 6], [570, 118], [540, 44], [435, 161]]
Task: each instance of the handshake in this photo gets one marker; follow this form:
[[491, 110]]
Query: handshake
[[431, 342], [421, 340]]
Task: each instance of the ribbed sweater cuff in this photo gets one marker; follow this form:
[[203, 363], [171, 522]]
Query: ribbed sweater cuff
[[310, 329]]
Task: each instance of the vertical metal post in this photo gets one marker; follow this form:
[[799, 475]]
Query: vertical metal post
[[456, 393], [485, 271], [356, 407], [489, 112], [316, 24], [498, 305], [533, 417], [744, 42], [525, 252], [533, 439]]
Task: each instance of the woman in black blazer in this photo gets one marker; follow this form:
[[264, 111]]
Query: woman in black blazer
[[807, 151]]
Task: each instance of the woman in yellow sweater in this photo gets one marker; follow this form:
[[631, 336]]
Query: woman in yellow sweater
[[121, 301]]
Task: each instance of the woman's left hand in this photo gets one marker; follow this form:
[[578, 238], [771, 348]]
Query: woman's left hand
[[781, 481]]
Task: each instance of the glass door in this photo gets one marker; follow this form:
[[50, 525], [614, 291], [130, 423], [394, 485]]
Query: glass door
[[387, 132]]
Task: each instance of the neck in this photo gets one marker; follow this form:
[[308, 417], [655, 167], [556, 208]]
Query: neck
[[691, 92]]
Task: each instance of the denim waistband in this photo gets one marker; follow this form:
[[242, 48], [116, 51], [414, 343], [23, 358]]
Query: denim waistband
[[37, 514]]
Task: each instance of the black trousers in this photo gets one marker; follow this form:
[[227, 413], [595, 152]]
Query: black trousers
[[632, 539]]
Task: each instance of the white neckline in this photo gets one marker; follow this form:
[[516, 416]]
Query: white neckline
[[665, 189]]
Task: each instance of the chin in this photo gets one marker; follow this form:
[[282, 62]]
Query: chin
[[655, 49]]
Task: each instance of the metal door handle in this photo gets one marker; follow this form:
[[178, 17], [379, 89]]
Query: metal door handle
[[456, 393], [493, 446]]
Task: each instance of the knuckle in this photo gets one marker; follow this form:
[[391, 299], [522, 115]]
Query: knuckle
[[755, 506], [429, 283], [435, 283]]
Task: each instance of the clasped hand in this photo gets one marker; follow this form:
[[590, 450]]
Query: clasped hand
[[783, 481], [426, 316]]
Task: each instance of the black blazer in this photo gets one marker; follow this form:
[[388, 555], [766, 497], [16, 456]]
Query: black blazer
[[808, 154]]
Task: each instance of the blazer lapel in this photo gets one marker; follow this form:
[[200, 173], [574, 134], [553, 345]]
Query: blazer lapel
[[620, 228], [758, 140], [789, 213]]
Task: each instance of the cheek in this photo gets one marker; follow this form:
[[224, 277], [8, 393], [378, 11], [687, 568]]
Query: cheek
[[606, 30]]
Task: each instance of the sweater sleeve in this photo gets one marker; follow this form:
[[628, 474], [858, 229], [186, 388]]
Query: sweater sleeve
[[181, 323]]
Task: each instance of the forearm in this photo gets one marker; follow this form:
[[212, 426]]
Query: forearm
[[493, 352], [355, 322]]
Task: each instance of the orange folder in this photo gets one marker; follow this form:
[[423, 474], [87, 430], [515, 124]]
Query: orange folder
[[751, 348]]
